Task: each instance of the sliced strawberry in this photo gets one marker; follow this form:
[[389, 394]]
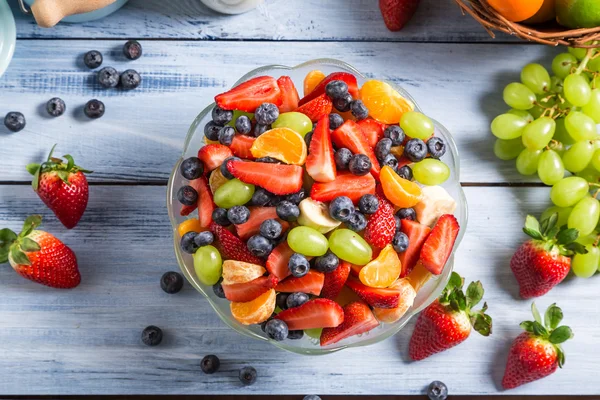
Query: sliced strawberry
[[320, 164], [336, 76], [311, 283], [345, 184], [289, 94], [232, 247], [355, 269], [314, 314], [317, 108], [249, 95], [240, 146], [358, 318], [335, 281], [257, 216], [375, 297], [373, 130], [402, 161], [206, 204], [417, 234], [277, 263], [381, 226], [276, 178], [350, 135], [213, 155], [248, 291], [437, 248]]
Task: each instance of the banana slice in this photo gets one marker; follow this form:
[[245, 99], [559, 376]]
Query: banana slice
[[315, 214]]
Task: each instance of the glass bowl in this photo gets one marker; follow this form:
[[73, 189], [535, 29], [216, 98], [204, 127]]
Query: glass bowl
[[307, 345]]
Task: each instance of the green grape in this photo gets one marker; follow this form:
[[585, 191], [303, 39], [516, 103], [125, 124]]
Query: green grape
[[237, 114], [556, 84], [579, 156], [590, 174], [578, 53], [561, 134], [580, 126], [350, 246], [595, 82], [592, 108], [588, 239], [521, 113], [568, 191], [536, 111], [295, 121], [562, 64], [536, 78], [586, 265], [314, 333], [417, 125], [594, 64], [208, 265], [577, 90], [538, 134], [527, 161], [596, 160], [563, 214], [508, 149], [307, 241], [508, 126], [519, 96], [557, 146], [550, 167], [585, 215], [431, 172], [233, 193]]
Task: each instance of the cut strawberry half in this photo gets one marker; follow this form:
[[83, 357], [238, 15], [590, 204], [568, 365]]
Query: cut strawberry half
[[345, 184], [276, 178], [311, 283], [206, 204], [320, 163], [248, 291], [232, 247], [373, 130], [317, 108], [249, 95], [402, 161], [335, 281], [336, 76], [375, 297], [350, 135], [381, 226], [289, 94], [417, 234], [358, 319], [314, 314], [277, 263], [240, 146], [213, 155], [187, 210], [437, 248], [257, 216]]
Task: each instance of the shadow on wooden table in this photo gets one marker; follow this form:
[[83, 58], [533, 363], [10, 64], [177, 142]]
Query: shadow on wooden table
[[299, 397]]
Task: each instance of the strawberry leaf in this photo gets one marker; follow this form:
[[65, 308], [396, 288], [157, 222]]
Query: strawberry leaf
[[32, 222], [549, 224], [33, 168], [539, 330], [455, 281], [536, 314], [18, 256], [474, 294], [567, 236], [70, 161], [532, 224], [533, 234], [577, 248], [4, 249], [527, 326], [483, 324], [561, 335], [560, 355], [64, 176], [29, 245], [553, 316], [7, 236], [458, 301]]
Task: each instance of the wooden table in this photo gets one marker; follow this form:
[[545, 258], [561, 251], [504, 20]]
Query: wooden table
[[87, 341]]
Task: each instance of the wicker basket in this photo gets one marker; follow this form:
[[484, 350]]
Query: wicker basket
[[549, 33]]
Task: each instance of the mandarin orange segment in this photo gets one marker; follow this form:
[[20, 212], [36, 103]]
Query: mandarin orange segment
[[419, 276], [283, 144], [347, 115], [397, 151], [382, 271], [216, 180], [402, 192], [517, 10], [240, 272], [312, 80], [190, 225], [407, 298], [255, 311], [385, 104]]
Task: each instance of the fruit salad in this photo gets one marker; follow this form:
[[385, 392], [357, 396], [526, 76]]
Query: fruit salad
[[321, 215]]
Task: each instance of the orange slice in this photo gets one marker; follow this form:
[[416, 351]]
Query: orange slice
[[385, 104], [312, 80], [190, 225], [407, 298], [382, 271], [216, 180], [240, 272], [255, 311], [419, 276], [402, 192], [284, 144]]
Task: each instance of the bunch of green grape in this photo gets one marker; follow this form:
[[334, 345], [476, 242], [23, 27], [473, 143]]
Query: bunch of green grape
[[551, 130]]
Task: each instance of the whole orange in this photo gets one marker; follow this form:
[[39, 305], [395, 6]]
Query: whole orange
[[516, 10], [546, 13]]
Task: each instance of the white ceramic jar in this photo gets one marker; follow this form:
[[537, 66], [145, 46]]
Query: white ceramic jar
[[232, 6]]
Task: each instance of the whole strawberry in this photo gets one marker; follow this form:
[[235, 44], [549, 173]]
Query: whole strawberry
[[448, 321], [543, 262], [397, 13], [62, 187], [536, 353], [39, 256]]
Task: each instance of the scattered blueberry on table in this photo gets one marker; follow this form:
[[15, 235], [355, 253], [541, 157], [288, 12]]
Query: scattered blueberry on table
[[132, 49], [56, 107], [14, 121], [152, 336], [93, 59], [94, 109], [210, 364], [247, 375], [171, 282], [130, 79], [437, 391]]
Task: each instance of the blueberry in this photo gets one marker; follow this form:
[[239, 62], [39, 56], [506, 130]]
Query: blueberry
[[382, 148], [268, 160], [406, 172], [132, 49], [152, 335], [308, 138], [359, 110], [298, 265], [238, 214], [327, 263], [187, 195], [93, 59], [436, 147], [342, 158], [260, 129], [204, 238], [261, 197], [400, 242], [171, 282], [220, 116], [437, 391], [357, 222], [415, 150], [271, 229], [359, 165], [336, 89], [243, 125], [266, 114], [247, 375], [281, 300], [297, 197], [343, 103], [295, 335], [56, 107], [341, 208], [210, 364], [108, 77], [398, 223], [368, 204], [263, 325], [296, 299], [14, 121], [187, 244], [224, 170], [94, 109], [130, 79], [275, 200], [191, 168], [277, 330], [395, 134], [226, 135], [287, 211], [335, 121], [259, 246], [218, 289], [391, 161], [211, 131], [407, 213], [219, 217]]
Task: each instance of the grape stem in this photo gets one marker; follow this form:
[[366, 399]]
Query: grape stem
[[588, 56]]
